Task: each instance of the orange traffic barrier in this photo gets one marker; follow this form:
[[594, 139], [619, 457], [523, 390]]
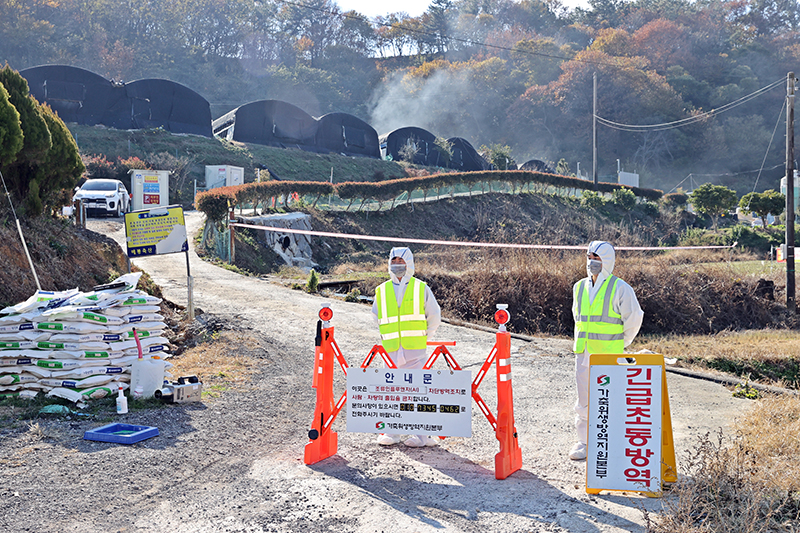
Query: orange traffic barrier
[[323, 442], [509, 459]]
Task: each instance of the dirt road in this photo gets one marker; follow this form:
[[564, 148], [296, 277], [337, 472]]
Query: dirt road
[[235, 463]]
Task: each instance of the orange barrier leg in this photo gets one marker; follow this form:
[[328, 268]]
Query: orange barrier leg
[[323, 442], [509, 460]]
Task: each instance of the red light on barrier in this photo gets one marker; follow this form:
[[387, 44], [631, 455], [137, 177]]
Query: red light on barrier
[[501, 316], [325, 314]]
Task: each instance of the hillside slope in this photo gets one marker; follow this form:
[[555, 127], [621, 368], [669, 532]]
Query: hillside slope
[[688, 292], [64, 256], [193, 152]]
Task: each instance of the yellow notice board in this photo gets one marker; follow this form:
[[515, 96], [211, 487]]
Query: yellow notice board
[[156, 231], [630, 445]]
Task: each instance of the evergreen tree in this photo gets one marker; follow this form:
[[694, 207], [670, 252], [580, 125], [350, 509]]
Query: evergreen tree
[[48, 161]]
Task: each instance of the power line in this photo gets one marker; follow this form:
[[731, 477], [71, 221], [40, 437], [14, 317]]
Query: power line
[[722, 175], [778, 121], [690, 120]]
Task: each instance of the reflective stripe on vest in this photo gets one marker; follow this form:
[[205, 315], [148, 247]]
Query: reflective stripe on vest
[[405, 326], [598, 329]]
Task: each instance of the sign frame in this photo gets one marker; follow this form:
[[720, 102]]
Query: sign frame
[[156, 240], [410, 401], [167, 239], [620, 395]]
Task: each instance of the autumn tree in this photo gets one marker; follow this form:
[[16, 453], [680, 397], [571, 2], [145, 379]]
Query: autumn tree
[[612, 41], [558, 117], [538, 60], [392, 34], [663, 43]]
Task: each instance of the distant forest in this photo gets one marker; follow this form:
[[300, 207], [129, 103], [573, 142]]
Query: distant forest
[[496, 72]]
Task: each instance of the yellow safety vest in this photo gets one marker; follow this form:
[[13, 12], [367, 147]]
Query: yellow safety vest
[[598, 328], [405, 326]]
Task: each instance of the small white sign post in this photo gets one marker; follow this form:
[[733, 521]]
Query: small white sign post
[[401, 401]]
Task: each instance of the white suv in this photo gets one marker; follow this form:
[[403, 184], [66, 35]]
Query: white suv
[[105, 196]]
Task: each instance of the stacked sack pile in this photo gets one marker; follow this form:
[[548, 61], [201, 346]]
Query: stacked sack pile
[[79, 345]]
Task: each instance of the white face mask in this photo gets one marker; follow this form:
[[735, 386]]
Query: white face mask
[[398, 270], [594, 267]]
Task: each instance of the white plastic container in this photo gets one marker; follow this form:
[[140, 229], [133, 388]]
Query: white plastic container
[[122, 402], [147, 373]]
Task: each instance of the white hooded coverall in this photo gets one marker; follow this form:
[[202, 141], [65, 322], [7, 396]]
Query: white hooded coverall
[[625, 304], [411, 359]]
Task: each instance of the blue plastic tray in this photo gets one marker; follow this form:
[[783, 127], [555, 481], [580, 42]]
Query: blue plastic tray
[[121, 433]]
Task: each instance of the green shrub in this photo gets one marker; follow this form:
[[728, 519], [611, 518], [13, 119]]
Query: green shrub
[[312, 285], [624, 198], [675, 200], [650, 209], [352, 296], [591, 200]]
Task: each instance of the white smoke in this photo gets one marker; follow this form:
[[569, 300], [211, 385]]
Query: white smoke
[[443, 103]]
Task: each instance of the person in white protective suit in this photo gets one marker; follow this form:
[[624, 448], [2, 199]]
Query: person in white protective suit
[[406, 313], [607, 318]]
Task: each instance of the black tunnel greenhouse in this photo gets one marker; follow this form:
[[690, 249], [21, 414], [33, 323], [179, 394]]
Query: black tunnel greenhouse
[[465, 157], [81, 96], [158, 103], [77, 95], [397, 142], [347, 134], [269, 122], [537, 165]]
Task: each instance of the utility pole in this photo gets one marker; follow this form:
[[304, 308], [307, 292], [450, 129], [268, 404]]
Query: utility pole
[[594, 129], [790, 290]]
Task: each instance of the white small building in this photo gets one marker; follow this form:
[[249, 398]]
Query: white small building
[[223, 176], [630, 179]]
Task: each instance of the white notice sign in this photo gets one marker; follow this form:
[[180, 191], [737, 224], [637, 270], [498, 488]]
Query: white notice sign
[[416, 402], [624, 451]]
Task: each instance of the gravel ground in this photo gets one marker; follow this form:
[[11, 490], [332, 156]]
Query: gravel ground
[[235, 463]]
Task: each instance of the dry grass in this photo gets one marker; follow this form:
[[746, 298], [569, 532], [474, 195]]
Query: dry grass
[[772, 431], [221, 363], [750, 484], [677, 293], [767, 355], [349, 268]]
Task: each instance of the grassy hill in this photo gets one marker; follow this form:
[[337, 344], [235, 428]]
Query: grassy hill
[[194, 152]]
